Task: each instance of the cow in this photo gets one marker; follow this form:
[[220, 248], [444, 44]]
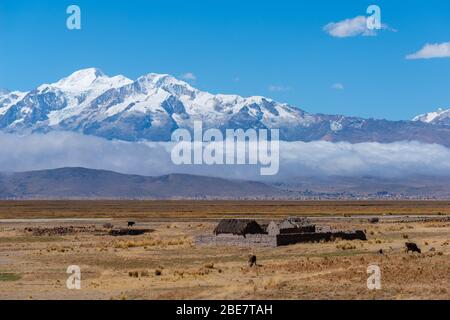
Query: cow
[[251, 260], [374, 220], [411, 246], [131, 224]]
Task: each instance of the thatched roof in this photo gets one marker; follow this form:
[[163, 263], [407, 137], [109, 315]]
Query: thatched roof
[[238, 227]]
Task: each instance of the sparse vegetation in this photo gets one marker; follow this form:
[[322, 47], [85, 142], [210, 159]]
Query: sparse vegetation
[[346, 246], [203, 209], [9, 276], [151, 242], [166, 265]]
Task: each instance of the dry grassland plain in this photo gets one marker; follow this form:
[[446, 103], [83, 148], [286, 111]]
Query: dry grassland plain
[[165, 263]]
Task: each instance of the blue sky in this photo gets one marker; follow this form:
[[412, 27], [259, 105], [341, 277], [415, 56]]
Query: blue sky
[[277, 49]]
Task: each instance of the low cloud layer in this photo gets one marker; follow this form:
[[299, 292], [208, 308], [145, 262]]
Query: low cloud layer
[[55, 150]]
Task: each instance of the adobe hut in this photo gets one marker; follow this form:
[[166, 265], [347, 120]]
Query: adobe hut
[[291, 225], [289, 231], [239, 227]]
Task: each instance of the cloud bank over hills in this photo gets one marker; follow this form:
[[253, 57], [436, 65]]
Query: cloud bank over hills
[[318, 158]]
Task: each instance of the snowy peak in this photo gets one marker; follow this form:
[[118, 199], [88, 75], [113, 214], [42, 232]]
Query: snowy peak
[[150, 108], [85, 73], [81, 79], [440, 116], [88, 79], [153, 106], [3, 91], [167, 83], [8, 99]]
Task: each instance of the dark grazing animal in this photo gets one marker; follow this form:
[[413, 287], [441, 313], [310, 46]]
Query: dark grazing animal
[[251, 260], [411, 246], [131, 223]]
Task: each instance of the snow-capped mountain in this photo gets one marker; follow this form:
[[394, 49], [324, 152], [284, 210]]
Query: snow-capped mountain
[[154, 105], [8, 99], [440, 116]]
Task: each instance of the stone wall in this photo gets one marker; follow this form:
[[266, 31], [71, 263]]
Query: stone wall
[[250, 240], [286, 239], [265, 240], [300, 229]]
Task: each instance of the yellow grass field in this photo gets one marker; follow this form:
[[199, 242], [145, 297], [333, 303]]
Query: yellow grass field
[[165, 263], [214, 209]]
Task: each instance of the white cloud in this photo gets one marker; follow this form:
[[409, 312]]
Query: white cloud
[[275, 88], [347, 28], [352, 27], [370, 158], [320, 158], [189, 76], [337, 86], [429, 51]]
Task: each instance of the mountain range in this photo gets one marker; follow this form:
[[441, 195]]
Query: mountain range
[[82, 183], [154, 105], [439, 117]]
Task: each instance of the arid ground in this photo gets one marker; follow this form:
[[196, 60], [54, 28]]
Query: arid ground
[[36, 249]]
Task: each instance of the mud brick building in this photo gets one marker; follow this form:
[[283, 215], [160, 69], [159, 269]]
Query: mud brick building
[[242, 232]]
